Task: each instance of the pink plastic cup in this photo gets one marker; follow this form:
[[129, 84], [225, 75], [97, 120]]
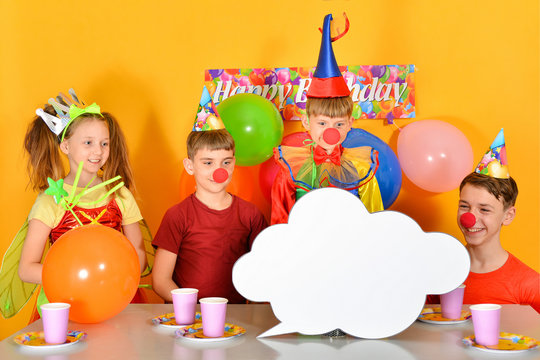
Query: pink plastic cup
[[486, 321], [451, 303], [184, 303], [213, 311], [55, 322]]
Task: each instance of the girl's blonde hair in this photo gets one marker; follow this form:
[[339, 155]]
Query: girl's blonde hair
[[44, 159]]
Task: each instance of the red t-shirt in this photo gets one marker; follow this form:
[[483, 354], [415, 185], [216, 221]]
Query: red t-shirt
[[208, 242], [512, 283]]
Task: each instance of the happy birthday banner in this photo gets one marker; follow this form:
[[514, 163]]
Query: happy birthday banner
[[378, 91]]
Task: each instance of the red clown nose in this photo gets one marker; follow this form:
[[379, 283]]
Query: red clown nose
[[220, 175], [467, 220], [331, 136]]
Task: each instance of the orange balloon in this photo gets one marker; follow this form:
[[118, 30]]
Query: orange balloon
[[95, 269], [304, 72], [386, 106]]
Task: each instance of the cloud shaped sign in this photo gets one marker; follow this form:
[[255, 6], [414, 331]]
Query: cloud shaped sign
[[335, 265]]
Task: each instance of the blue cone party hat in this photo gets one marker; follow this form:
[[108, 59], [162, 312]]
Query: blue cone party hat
[[494, 162], [327, 80], [207, 116]]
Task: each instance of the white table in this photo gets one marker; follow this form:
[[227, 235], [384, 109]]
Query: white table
[[131, 335]]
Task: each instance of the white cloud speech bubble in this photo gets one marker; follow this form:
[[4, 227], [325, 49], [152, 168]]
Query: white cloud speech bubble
[[335, 265]]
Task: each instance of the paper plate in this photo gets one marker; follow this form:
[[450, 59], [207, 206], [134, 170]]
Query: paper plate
[[36, 339], [434, 316], [168, 321], [508, 343], [195, 333]]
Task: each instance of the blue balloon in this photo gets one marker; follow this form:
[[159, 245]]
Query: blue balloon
[[366, 106], [389, 172]]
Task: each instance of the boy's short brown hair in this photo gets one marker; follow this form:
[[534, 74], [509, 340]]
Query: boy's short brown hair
[[212, 140], [504, 190], [331, 107]]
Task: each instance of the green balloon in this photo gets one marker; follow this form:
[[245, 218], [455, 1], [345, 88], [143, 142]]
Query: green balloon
[[354, 69], [357, 111], [255, 125], [376, 107]]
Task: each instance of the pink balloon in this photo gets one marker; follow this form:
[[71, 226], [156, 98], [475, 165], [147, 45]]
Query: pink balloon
[[244, 81], [434, 155], [349, 77], [295, 139], [393, 74], [267, 174], [226, 77], [284, 76]]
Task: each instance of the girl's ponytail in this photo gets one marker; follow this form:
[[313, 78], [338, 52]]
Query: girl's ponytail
[[118, 162], [44, 159]]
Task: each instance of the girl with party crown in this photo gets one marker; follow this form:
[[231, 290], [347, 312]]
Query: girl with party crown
[[98, 158]]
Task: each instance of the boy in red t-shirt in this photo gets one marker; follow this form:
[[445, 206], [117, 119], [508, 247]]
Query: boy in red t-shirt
[[200, 239], [487, 202]]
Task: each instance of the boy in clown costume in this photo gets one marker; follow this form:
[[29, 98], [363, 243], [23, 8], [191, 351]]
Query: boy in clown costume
[[200, 239], [487, 203], [323, 162]]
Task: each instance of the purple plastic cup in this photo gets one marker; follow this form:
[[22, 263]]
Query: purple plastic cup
[[486, 322], [184, 303], [55, 322], [451, 303], [213, 311]]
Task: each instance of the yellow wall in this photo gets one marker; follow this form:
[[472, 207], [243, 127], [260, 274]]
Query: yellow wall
[[477, 68]]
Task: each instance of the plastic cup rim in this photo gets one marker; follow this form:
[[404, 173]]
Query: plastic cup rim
[[185, 291], [55, 306], [462, 286], [485, 307], [213, 300]]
